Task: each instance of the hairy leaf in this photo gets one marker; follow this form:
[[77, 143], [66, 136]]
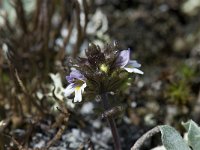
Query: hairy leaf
[[193, 134], [171, 139]]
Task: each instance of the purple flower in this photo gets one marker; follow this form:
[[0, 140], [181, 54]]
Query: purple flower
[[77, 84], [123, 61]]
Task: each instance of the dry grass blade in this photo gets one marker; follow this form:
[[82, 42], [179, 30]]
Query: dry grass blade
[[20, 82]]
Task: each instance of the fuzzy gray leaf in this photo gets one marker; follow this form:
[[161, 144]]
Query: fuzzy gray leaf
[[193, 134], [171, 139]]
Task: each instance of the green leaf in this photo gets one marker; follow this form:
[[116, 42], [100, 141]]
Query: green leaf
[[171, 139], [193, 134]]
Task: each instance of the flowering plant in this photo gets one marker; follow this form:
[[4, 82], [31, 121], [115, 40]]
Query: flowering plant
[[102, 71]]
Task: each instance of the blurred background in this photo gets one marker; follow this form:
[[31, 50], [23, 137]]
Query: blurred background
[[37, 38]]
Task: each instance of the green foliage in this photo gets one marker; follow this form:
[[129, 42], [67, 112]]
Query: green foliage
[[178, 91], [186, 72]]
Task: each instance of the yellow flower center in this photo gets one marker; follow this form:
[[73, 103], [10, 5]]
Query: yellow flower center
[[77, 88], [104, 68]]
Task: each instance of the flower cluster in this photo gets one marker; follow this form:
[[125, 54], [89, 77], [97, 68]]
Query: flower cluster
[[101, 71]]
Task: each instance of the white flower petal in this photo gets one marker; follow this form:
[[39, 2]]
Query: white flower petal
[[133, 63], [135, 70], [78, 95], [69, 89], [83, 87]]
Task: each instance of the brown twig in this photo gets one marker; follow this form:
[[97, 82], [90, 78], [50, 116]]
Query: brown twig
[[26, 92], [21, 15], [62, 123], [138, 144], [19, 108], [57, 136], [79, 30], [36, 15], [45, 19], [7, 23], [64, 8], [69, 28], [18, 145], [28, 134], [86, 12], [20, 82]]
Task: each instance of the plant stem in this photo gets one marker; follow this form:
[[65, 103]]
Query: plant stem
[[138, 144], [111, 122]]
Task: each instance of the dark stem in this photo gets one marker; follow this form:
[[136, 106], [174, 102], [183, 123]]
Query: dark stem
[[111, 122]]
